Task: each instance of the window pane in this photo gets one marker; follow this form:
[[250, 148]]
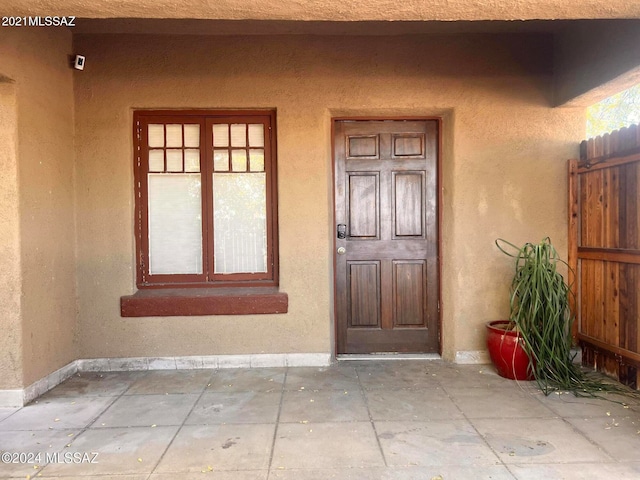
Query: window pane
[[156, 160], [174, 135], [257, 160], [174, 160], [221, 160], [192, 136], [221, 135], [256, 135], [175, 224], [239, 135], [156, 135], [192, 160], [239, 160], [240, 223]]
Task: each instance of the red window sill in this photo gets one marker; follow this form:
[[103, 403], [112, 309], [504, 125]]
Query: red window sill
[[171, 302]]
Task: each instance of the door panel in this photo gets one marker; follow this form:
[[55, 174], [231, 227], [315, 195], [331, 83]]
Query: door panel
[[363, 204], [364, 283], [408, 204], [408, 145], [363, 146], [409, 292], [386, 195]]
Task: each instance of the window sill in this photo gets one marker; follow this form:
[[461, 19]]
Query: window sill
[[171, 302]]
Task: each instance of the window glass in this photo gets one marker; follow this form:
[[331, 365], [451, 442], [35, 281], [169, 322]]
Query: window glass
[[221, 135], [156, 160], [256, 160], [239, 135], [192, 160], [192, 136], [240, 222], [256, 135], [239, 160], [175, 224], [174, 135], [156, 135], [174, 160], [221, 160]]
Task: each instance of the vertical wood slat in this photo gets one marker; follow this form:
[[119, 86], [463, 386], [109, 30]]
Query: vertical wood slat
[[572, 257], [610, 198], [611, 305], [593, 220], [585, 302], [634, 330], [632, 220], [598, 199], [604, 213], [628, 294], [596, 298]]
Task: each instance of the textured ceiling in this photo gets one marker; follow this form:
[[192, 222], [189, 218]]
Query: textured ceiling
[[332, 10]]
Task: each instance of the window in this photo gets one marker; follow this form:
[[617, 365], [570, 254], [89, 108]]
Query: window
[[206, 211]]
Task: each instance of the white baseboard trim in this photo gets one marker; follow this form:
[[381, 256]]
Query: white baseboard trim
[[472, 357], [260, 360], [21, 397]]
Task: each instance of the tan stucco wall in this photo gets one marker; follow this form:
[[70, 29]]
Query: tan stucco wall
[[595, 60], [10, 280], [503, 167], [36, 61], [333, 9]]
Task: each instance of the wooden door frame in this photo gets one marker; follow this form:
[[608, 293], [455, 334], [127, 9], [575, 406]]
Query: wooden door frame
[[439, 195]]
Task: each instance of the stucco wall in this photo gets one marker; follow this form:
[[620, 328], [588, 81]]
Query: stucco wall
[[44, 317], [10, 280], [503, 168]]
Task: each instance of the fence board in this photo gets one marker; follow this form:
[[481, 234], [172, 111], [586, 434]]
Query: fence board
[[593, 226], [611, 207], [572, 259], [629, 306], [611, 313], [584, 314]]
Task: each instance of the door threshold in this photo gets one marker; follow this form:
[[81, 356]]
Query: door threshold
[[388, 356]]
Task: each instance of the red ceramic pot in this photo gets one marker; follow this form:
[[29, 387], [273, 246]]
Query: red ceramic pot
[[507, 353]]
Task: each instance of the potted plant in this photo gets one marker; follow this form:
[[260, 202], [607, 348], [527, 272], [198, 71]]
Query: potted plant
[[507, 351], [540, 320], [538, 332]]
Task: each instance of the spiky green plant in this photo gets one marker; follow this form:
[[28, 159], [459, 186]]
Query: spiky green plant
[[540, 310]]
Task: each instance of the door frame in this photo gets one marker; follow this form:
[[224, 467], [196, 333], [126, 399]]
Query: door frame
[[439, 198]]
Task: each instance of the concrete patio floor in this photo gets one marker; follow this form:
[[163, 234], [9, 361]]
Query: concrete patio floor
[[354, 420]]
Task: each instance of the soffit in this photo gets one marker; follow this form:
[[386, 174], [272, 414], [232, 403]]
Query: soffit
[[282, 27]]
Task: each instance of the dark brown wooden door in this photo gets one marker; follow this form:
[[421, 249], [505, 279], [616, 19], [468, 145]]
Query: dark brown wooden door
[[387, 262]]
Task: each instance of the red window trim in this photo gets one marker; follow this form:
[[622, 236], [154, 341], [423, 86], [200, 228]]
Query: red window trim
[[207, 279]]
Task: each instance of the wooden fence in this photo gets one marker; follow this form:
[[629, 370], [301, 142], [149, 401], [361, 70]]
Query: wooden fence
[[604, 252]]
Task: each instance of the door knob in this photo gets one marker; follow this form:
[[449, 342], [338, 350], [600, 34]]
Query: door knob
[[342, 250]]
